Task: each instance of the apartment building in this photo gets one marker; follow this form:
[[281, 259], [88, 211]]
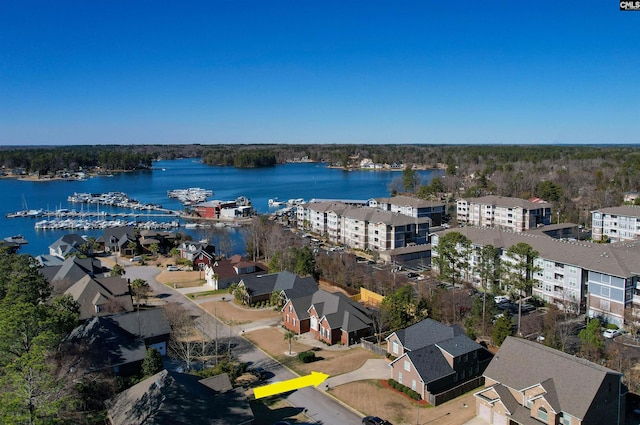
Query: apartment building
[[503, 212], [362, 227], [413, 207], [599, 279], [616, 223]]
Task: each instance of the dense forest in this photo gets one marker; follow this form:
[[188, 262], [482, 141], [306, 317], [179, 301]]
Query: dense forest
[[576, 179]]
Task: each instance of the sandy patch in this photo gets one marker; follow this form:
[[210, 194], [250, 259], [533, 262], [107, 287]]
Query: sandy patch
[[370, 398], [228, 311]]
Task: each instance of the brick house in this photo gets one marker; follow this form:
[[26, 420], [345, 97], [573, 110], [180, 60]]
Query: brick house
[[433, 359], [529, 383], [335, 318]]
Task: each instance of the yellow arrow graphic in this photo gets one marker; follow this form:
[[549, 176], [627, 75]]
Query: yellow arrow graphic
[[315, 378]]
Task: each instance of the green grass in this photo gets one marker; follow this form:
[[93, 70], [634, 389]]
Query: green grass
[[207, 293]]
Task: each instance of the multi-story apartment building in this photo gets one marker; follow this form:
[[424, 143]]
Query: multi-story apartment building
[[616, 223], [413, 207], [363, 227], [503, 212], [599, 279]]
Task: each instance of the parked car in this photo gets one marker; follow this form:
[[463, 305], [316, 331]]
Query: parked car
[[173, 268], [374, 420], [611, 333], [501, 299], [411, 275], [136, 258], [258, 372]]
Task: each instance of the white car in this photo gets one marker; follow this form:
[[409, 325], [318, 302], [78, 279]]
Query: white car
[[611, 333], [173, 268]]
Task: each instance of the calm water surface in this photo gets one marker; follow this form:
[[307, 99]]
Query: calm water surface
[[287, 181]]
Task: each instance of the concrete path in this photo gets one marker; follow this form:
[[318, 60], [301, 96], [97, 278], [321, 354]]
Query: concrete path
[[372, 369], [476, 421]]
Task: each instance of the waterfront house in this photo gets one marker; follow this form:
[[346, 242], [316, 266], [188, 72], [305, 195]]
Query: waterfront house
[[101, 295], [201, 254], [437, 361], [117, 240], [503, 212], [67, 244], [177, 398], [529, 383], [334, 318]]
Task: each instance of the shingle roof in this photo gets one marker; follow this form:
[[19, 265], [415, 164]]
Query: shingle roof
[[409, 201], [458, 345], [108, 344], [87, 289], [143, 323], [340, 311], [626, 210], [372, 215], [505, 201], [521, 364], [429, 363], [425, 333], [67, 243], [620, 259], [291, 284], [178, 399]]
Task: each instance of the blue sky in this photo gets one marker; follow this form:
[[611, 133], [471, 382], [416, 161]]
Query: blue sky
[[161, 72]]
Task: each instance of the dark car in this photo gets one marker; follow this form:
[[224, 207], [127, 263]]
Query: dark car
[[258, 372], [411, 275], [374, 420]]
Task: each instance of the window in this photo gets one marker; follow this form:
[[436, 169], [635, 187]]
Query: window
[[413, 384], [407, 366], [400, 377], [293, 321], [542, 414], [395, 347]]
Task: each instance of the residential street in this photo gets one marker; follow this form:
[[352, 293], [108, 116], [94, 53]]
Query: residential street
[[321, 408]]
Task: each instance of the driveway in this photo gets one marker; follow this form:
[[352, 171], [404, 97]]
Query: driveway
[[371, 369], [317, 406]]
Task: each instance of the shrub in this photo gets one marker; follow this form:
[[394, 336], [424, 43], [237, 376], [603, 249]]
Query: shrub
[[612, 326], [307, 356]]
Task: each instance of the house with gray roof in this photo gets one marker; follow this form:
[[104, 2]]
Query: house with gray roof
[[64, 273], [432, 359], [67, 244], [116, 239], [108, 347], [503, 212], [528, 383], [151, 325], [335, 318], [176, 398], [201, 254], [259, 287], [101, 295]]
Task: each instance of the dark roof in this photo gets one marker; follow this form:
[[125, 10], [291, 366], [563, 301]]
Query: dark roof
[[458, 345], [120, 234], [301, 306], [430, 363], [521, 364], [340, 311], [67, 243], [90, 292], [108, 344], [178, 399], [425, 333], [143, 323], [291, 284], [72, 270]]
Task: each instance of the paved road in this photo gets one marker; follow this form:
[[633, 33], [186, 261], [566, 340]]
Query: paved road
[[320, 408]]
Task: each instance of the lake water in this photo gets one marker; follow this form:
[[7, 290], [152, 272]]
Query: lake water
[[287, 181]]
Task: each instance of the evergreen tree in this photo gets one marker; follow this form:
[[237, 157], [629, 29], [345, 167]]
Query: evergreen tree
[[152, 363]]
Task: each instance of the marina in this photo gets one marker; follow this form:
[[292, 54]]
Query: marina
[[75, 224], [191, 196]]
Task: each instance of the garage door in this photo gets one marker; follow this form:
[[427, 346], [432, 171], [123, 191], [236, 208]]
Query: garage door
[[499, 419], [484, 412]]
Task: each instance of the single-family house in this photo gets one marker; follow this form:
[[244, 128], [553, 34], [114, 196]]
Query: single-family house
[[150, 325], [101, 295], [108, 347], [335, 318], [163, 240], [437, 361], [117, 240], [67, 244], [529, 383], [176, 398], [295, 314], [259, 287], [201, 254], [225, 272]]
